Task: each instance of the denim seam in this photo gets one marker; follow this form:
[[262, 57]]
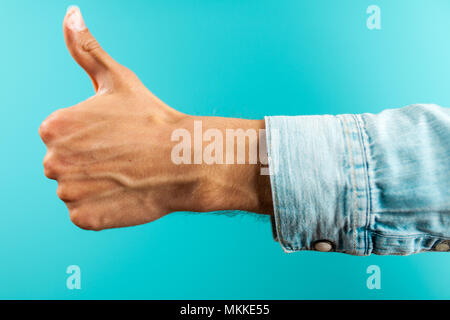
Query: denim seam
[[363, 142], [401, 253], [276, 200], [413, 210], [406, 251], [410, 236], [353, 175]]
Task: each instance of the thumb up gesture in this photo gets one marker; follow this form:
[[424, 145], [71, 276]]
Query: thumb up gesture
[[111, 154]]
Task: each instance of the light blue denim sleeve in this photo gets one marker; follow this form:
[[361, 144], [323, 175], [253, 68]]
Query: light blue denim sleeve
[[362, 184]]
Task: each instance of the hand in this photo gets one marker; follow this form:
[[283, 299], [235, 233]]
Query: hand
[[111, 154]]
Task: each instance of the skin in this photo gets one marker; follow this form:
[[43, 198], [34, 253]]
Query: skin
[[111, 154]]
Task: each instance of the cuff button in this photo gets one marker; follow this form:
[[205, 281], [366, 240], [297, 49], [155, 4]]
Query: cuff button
[[323, 246]]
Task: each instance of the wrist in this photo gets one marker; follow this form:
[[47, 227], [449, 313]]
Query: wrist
[[225, 173]]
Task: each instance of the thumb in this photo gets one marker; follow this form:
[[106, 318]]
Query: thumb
[[86, 51]]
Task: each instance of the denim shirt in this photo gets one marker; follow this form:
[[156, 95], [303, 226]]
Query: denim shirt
[[362, 184]]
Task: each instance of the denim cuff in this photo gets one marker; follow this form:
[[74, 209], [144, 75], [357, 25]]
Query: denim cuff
[[320, 184]]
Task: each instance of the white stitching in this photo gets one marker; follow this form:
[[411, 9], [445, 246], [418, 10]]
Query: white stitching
[[277, 203], [364, 146], [412, 210], [355, 192]]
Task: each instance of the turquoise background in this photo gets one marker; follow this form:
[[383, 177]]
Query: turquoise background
[[228, 58]]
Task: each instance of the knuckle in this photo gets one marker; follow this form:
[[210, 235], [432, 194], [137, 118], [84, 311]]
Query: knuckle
[[96, 227], [66, 193], [84, 220], [50, 169], [48, 128], [45, 130], [78, 218], [89, 44], [49, 173]]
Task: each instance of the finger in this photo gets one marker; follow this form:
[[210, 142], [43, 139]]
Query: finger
[[86, 51]]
